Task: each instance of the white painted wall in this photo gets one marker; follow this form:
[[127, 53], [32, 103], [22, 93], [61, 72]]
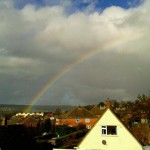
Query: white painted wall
[[122, 141]]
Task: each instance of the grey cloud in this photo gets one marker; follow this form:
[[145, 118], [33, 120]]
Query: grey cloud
[[107, 54]]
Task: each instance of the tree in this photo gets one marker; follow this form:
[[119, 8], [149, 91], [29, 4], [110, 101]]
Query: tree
[[39, 127], [102, 104], [115, 104], [58, 112], [47, 125], [141, 132], [81, 126], [142, 105]]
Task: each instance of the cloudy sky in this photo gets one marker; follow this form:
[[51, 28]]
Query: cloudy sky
[[73, 52]]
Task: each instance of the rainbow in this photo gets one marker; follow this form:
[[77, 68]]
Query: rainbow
[[64, 71]]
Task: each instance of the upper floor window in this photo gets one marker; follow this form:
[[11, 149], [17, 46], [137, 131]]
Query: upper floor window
[[77, 120], [87, 120], [109, 130]]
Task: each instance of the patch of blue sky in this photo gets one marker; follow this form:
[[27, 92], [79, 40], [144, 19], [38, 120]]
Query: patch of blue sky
[[100, 5], [19, 4], [80, 5], [126, 4]]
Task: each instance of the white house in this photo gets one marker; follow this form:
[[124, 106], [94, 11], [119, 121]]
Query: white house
[[109, 133]]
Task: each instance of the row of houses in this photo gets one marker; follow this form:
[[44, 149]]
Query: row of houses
[[107, 130], [74, 117], [78, 115]]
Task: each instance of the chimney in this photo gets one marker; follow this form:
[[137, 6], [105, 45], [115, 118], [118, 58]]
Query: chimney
[[108, 103]]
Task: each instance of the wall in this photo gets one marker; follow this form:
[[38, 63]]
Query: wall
[[73, 122]]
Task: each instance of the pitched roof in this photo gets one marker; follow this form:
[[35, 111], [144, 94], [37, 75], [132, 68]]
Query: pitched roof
[[96, 111], [30, 120], [15, 120], [80, 112]]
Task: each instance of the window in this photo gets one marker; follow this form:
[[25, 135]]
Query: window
[[104, 130], [77, 120], [88, 126], [109, 130], [87, 120]]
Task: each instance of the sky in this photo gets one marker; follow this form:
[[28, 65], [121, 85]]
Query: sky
[[73, 52]]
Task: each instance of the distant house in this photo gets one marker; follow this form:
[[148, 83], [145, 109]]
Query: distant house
[[30, 114], [15, 120], [28, 121], [109, 133], [77, 116], [96, 111]]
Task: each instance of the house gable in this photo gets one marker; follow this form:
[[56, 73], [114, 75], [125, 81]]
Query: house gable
[[77, 116], [109, 133]]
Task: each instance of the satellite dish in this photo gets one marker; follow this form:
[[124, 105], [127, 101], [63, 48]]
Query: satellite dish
[[104, 142]]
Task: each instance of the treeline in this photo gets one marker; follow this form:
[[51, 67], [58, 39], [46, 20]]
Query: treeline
[[139, 108]]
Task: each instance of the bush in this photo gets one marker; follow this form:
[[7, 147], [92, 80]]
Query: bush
[[64, 130]]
